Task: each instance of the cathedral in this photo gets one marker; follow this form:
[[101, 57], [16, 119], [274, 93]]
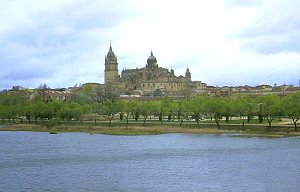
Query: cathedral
[[147, 80]]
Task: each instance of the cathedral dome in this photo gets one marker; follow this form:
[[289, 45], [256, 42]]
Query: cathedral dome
[[151, 58], [151, 61]]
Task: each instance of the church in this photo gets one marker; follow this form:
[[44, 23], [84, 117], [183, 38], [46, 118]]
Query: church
[[148, 80]]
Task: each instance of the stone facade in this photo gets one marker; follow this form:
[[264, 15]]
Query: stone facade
[[149, 79]]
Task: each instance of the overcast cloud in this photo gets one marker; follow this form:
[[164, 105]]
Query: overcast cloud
[[63, 42]]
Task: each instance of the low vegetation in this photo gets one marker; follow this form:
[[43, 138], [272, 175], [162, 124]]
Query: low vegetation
[[200, 114]]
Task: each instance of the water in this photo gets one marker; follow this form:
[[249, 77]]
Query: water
[[32, 161]]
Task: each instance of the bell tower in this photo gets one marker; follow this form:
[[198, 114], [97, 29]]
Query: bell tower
[[111, 71], [188, 75]]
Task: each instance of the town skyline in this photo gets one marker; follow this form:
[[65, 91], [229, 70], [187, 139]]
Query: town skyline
[[224, 43]]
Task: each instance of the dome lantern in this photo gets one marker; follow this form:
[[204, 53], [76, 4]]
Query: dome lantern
[[151, 61]]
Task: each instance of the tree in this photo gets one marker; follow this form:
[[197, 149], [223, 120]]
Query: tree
[[182, 110], [271, 107], [110, 108], [144, 110], [9, 99], [196, 106], [56, 106], [292, 108], [251, 108], [39, 110], [28, 111], [154, 108], [2, 113], [78, 112], [10, 103], [127, 109], [260, 113], [179, 111], [8, 112], [20, 111], [136, 115], [214, 107], [120, 108], [43, 86], [11, 113], [157, 92], [170, 115], [47, 112], [240, 109], [228, 109], [166, 108], [66, 113], [132, 107]]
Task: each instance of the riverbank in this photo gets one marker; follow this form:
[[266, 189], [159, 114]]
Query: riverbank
[[142, 130], [130, 130]]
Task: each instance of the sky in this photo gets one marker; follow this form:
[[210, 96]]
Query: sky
[[222, 42]]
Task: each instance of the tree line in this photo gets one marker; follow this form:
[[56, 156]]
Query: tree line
[[263, 108]]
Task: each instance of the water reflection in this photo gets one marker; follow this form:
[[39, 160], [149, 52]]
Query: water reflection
[[170, 162]]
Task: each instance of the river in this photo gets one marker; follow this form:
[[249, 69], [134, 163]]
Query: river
[[35, 161]]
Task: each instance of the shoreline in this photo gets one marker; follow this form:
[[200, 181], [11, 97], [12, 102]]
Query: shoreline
[[141, 130]]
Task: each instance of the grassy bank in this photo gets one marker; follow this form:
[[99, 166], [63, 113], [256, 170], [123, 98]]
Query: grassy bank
[[119, 130], [139, 129]]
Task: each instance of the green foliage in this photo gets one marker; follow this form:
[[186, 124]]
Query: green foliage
[[167, 105], [170, 116], [157, 92], [197, 107], [11, 99], [136, 115], [270, 107], [154, 107], [66, 113], [215, 107], [292, 107], [228, 108], [144, 108]]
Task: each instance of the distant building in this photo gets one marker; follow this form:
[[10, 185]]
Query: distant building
[[146, 83], [147, 80]]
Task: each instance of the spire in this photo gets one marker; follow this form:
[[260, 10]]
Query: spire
[[110, 53], [110, 49], [151, 53], [188, 73]]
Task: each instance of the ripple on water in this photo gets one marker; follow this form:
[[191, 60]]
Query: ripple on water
[[171, 162]]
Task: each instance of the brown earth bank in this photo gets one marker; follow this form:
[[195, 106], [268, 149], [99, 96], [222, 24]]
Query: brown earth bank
[[152, 129]]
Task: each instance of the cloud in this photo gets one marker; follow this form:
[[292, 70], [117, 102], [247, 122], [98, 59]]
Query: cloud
[[42, 41], [244, 3], [225, 42], [275, 28]]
